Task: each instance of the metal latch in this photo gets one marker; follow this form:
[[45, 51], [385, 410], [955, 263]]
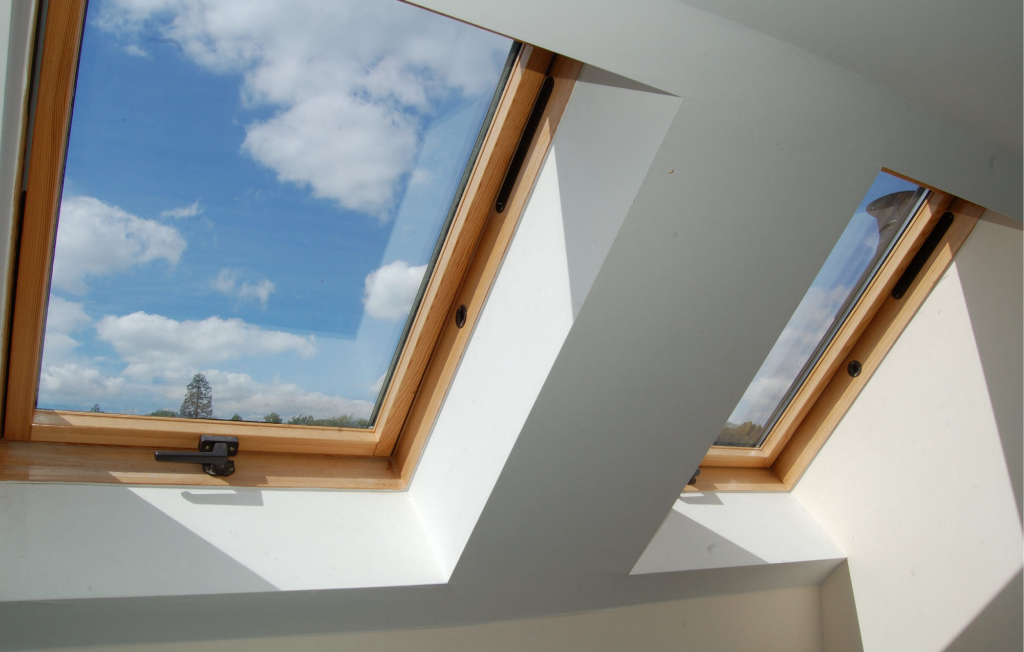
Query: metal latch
[[213, 455]]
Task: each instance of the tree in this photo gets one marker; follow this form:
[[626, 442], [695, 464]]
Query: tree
[[236, 417], [273, 417], [163, 413], [198, 403], [344, 421], [96, 408]]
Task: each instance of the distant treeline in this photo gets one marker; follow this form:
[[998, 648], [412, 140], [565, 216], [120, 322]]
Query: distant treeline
[[343, 421], [746, 434], [198, 404]]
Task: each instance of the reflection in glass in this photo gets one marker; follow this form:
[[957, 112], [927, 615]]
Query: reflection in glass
[[252, 199], [866, 241]]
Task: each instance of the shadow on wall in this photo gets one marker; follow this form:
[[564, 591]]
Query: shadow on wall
[[103, 541], [712, 530], [839, 623], [591, 215], [999, 625], [704, 548], [249, 498], [995, 305]]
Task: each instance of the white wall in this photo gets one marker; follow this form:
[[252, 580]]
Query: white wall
[[786, 620], [915, 483], [71, 541], [720, 530], [581, 196]]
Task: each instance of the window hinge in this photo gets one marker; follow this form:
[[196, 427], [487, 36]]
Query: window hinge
[[213, 455]]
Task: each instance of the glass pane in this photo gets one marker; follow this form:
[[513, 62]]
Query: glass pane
[[252, 199], [866, 241]]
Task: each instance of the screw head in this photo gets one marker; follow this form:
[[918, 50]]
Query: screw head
[[853, 368], [460, 316]]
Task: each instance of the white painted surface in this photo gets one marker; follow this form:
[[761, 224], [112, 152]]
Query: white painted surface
[[499, 377], [757, 108], [581, 197], [211, 542], [721, 530], [974, 76], [90, 541], [599, 177], [840, 628], [913, 484], [307, 540], [786, 620]]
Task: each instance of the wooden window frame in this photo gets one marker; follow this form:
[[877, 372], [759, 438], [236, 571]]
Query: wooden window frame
[[85, 447], [873, 326]]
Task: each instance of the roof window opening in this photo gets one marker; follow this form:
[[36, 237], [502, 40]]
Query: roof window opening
[[253, 199], [872, 232]]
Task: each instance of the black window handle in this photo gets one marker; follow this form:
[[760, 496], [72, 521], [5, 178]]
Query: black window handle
[[213, 455]]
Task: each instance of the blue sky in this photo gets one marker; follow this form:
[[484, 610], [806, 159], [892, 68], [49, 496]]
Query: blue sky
[[838, 277], [252, 190]]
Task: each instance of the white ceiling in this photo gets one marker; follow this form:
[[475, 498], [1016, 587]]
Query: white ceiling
[[962, 58]]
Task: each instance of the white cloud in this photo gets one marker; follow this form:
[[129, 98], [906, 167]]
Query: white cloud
[[76, 382], [343, 148], [136, 51], [155, 346], [191, 210], [227, 283], [808, 325], [239, 393], [62, 318], [421, 177], [378, 384], [162, 354], [351, 81], [95, 239], [390, 290], [58, 347]]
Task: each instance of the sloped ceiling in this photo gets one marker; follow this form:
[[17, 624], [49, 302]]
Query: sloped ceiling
[[961, 58]]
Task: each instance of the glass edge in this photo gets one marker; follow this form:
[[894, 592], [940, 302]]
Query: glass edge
[[841, 316], [446, 226]]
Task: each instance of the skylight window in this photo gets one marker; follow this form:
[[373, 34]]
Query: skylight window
[[278, 224], [253, 199], [896, 246], [863, 246]]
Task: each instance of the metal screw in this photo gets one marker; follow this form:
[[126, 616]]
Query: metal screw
[[853, 368], [460, 316]]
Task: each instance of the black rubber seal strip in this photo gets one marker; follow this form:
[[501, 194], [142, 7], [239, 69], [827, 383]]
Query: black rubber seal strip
[[516, 164], [922, 255]]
